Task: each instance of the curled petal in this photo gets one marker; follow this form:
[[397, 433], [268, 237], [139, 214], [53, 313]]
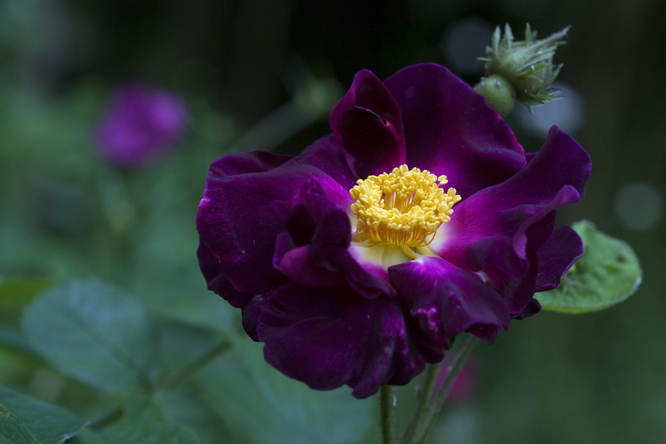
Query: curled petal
[[451, 130], [556, 257], [331, 337], [516, 290], [533, 307], [297, 264], [368, 122], [315, 252], [234, 220], [446, 301]]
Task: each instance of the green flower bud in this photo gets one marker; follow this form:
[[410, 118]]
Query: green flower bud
[[527, 65], [499, 93]]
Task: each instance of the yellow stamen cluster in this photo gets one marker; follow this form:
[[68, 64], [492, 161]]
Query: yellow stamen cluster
[[404, 207]]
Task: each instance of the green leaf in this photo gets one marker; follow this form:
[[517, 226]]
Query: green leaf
[[607, 273], [151, 434], [94, 332], [46, 423], [12, 431], [260, 404]]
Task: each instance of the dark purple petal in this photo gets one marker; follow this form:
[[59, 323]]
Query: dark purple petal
[[330, 337], [516, 290], [503, 214], [217, 282], [556, 257], [245, 163], [251, 313], [301, 214], [367, 121], [327, 154], [539, 232], [330, 250], [367, 282], [237, 225], [533, 307], [446, 300], [297, 264], [451, 130], [140, 123]]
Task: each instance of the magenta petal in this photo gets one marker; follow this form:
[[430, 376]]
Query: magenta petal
[[556, 257], [368, 122], [330, 337], [446, 300], [451, 130], [555, 177]]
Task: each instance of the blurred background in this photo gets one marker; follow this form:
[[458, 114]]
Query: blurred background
[[263, 74]]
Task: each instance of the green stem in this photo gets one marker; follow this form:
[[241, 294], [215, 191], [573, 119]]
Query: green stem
[[432, 402], [388, 401], [195, 365], [107, 419], [175, 378], [423, 400]]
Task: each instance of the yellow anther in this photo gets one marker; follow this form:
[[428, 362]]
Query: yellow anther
[[404, 207]]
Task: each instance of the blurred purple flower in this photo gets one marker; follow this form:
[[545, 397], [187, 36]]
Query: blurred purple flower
[[353, 268], [463, 387], [139, 124]]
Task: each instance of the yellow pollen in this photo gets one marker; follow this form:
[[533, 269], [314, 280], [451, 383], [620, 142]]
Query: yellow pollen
[[404, 207]]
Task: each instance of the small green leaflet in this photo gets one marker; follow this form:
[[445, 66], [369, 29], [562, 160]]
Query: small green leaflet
[[24, 420], [12, 431], [606, 274]]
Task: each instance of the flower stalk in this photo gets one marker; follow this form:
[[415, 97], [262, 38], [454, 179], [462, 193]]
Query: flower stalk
[[431, 402], [197, 364], [387, 408]]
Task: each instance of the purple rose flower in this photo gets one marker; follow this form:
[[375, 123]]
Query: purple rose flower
[[355, 265], [140, 123]]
